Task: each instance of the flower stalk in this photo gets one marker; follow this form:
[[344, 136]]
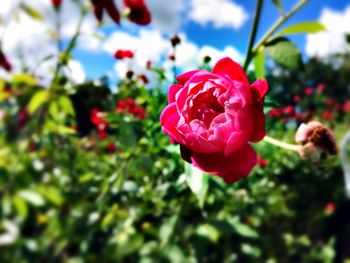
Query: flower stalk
[[281, 144]]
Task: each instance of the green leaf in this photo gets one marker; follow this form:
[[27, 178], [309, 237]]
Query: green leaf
[[209, 232], [38, 99], [197, 181], [52, 194], [305, 27], [22, 78], [167, 229], [66, 105], [259, 64], [285, 53], [32, 197], [243, 229], [21, 206], [31, 12]]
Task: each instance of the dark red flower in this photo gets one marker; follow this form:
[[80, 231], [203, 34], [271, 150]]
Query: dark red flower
[[175, 40], [171, 57], [111, 148], [121, 54], [289, 110], [144, 79], [129, 106], [108, 5], [308, 91], [149, 64], [327, 115], [275, 113], [139, 12], [31, 146], [346, 106], [98, 119], [296, 98], [56, 3], [329, 102], [4, 62], [262, 162]]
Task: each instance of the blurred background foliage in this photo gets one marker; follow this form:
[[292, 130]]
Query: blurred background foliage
[[87, 175]]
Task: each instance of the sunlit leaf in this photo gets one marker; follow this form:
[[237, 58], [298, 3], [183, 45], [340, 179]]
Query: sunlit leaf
[[285, 53], [38, 99], [305, 27], [32, 197], [167, 230], [197, 181], [243, 229], [22, 78], [209, 232], [31, 12]]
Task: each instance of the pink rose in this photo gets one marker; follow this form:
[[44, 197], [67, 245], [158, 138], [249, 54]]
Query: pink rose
[[213, 116]]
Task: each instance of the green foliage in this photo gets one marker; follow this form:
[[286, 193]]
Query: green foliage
[[305, 27], [284, 52]]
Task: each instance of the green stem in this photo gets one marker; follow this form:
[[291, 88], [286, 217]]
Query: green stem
[[275, 27], [283, 145], [253, 32], [63, 59]]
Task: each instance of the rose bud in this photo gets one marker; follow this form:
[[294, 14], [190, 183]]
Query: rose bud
[[129, 74], [175, 40], [4, 63], [121, 54], [206, 59], [262, 162], [138, 12], [316, 140], [171, 57], [214, 116]]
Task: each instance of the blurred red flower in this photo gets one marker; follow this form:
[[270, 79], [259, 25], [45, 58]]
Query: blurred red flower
[[139, 12], [327, 115], [100, 5], [296, 98], [56, 3], [144, 78], [329, 102], [346, 106], [171, 57], [98, 119], [262, 162], [275, 113], [129, 106], [111, 148], [321, 87], [308, 91], [121, 54], [330, 208]]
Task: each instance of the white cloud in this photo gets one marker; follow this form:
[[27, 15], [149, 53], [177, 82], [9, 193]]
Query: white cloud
[[152, 45], [166, 16], [333, 40], [28, 43], [221, 13]]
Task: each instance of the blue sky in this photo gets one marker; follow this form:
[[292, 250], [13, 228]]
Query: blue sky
[[222, 37], [207, 27]]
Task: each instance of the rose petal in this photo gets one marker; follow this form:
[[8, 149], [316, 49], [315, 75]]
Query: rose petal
[[259, 89], [182, 78], [169, 120], [259, 124], [230, 167], [227, 66], [172, 92]]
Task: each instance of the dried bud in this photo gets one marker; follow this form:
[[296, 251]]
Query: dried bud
[[175, 40], [207, 59], [316, 141], [129, 74]]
